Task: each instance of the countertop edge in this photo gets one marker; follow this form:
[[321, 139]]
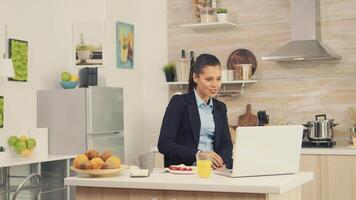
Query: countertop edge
[[137, 183], [26, 161]]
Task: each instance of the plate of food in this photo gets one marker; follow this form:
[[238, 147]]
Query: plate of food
[[182, 169]]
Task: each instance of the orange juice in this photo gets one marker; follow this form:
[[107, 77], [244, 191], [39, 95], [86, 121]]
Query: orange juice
[[204, 168]]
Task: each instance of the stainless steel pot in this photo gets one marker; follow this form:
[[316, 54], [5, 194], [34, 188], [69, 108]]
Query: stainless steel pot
[[321, 129]]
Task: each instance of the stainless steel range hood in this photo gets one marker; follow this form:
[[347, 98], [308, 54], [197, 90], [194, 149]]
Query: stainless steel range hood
[[305, 41]]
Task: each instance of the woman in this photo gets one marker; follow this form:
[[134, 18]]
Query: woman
[[196, 122]]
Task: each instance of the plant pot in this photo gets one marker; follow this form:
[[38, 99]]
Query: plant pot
[[169, 77], [84, 55], [222, 17]]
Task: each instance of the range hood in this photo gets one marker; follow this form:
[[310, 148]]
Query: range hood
[[305, 41]]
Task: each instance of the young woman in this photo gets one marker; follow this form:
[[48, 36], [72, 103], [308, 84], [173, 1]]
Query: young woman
[[196, 123]]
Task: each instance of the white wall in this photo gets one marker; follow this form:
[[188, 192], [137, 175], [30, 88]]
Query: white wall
[[47, 25], [37, 23], [145, 93]]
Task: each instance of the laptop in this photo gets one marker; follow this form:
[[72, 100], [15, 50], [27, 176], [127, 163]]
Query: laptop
[[265, 150]]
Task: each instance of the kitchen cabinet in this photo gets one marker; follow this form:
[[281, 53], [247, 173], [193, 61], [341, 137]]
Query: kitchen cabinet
[[180, 195], [311, 163], [338, 177], [117, 194], [146, 194], [334, 177]]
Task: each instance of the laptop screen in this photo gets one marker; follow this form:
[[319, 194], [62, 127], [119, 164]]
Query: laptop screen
[[267, 150]]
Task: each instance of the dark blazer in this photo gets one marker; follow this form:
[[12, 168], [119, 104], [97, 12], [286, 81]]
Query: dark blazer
[[180, 131]]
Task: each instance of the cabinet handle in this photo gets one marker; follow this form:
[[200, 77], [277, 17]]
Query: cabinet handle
[[29, 177]]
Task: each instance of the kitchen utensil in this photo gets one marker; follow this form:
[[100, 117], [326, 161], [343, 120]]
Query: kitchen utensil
[[321, 129], [242, 56], [247, 119], [263, 118]]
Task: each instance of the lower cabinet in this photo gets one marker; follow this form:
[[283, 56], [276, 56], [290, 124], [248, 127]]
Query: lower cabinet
[[124, 194], [334, 177], [311, 190]]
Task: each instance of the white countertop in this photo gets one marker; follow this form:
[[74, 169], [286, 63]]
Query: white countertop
[[26, 161], [159, 180], [336, 150]]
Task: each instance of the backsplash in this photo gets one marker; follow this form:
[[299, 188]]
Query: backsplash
[[291, 92]]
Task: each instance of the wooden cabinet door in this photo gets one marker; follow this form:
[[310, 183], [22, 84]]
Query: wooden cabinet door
[[311, 190], [146, 195], [338, 177], [180, 195]]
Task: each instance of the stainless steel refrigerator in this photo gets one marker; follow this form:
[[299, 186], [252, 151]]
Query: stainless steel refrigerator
[[82, 119]]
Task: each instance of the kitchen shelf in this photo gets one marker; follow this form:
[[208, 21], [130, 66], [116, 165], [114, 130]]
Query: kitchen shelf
[[223, 85], [213, 25]]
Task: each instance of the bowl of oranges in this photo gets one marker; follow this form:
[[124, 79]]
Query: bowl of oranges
[[95, 164]]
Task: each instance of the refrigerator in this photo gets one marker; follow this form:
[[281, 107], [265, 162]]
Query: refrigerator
[[82, 119]]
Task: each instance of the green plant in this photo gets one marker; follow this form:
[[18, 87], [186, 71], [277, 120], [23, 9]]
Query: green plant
[[221, 10], [169, 68], [83, 46]]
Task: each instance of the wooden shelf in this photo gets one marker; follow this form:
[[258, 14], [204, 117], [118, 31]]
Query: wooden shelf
[[224, 83], [213, 25]]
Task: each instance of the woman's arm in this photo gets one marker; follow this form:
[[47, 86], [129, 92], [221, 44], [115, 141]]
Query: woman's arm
[[167, 139]]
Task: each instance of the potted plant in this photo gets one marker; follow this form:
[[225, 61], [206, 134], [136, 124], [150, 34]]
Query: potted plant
[[169, 71], [84, 52], [222, 14]]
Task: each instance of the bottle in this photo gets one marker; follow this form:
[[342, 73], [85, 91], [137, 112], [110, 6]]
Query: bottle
[[182, 68], [191, 59]]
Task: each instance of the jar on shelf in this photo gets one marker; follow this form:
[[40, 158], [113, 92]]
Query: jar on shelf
[[207, 15], [353, 136]]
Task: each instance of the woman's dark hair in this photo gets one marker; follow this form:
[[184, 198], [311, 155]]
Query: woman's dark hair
[[203, 60]]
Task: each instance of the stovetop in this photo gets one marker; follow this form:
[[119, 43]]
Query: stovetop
[[318, 144]]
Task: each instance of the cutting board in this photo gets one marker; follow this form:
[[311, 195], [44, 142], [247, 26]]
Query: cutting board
[[247, 119]]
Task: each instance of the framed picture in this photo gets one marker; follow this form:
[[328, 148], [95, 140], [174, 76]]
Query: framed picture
[[1, 111], [124, 45], [18, 52], [88, 40]]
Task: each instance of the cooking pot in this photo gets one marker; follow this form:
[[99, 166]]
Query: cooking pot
[[321, 129]]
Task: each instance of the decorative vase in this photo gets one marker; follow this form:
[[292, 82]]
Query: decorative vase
[[222, 17]]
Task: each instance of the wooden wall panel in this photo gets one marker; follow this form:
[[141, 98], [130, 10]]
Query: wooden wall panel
[[290, 92]]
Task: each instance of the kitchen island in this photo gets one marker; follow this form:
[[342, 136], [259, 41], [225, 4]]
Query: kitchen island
[[163, 185]]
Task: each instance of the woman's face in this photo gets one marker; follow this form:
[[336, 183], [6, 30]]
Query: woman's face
[[208, 81]]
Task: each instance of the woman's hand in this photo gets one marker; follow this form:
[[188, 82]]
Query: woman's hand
[[217, 161]]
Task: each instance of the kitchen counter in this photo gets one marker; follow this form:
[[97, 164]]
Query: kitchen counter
[[164, 181], [336, 150], [25, 161]]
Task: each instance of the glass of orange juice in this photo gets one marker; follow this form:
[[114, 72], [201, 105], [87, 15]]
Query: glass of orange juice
[[204, 165]]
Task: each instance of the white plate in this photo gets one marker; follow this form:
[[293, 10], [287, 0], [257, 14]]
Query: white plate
[[194, 171], [101, 172]]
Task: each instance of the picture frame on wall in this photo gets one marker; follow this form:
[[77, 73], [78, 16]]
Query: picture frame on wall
[[124, 45], [88, 40], [1, 112], [18, 52]]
